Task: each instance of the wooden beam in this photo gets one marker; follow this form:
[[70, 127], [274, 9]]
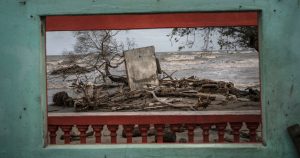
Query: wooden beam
[[144, 21]]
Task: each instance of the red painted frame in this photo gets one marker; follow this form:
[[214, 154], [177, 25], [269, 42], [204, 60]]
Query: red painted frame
[[143, 21]]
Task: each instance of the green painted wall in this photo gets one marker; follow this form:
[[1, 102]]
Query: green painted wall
[[22, 77]]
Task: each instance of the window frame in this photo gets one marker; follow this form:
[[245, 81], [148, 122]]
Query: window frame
[[149, 21]]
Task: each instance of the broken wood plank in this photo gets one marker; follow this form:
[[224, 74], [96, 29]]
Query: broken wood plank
[[169, 104]]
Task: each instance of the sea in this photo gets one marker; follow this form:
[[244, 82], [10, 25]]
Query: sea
[[238, 67]]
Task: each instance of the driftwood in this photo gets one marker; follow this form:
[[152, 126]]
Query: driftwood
[[203, 103], [129, 96], [167, 75], [154, 107], [189, 95], [166, 103], [74, 69], [119, 107]]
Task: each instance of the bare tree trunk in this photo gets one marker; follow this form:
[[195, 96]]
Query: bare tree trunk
[[118, 79]]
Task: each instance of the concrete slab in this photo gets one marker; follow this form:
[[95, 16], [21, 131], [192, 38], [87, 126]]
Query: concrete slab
[[141, 67]]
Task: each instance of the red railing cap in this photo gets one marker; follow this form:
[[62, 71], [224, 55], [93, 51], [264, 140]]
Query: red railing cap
[[121, 118]]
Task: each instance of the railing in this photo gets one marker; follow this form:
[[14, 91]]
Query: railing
[[209, 124]]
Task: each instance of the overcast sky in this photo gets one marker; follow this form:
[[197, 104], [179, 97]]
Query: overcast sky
[[60, 41]]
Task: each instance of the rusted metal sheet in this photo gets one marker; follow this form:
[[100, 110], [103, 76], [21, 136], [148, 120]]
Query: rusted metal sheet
[[140, 21], [141, 67]]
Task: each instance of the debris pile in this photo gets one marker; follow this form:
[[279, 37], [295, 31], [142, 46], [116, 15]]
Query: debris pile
[[70, 70], [184, 94]]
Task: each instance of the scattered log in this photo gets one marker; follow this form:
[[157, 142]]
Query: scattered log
[[188, 95], [169, 104], [167, 75], [107, 86], [119, 107], [129, 96], [154, 107], [209, 86], [203, 103], [74, 69], [176, 94], [243, 99]]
